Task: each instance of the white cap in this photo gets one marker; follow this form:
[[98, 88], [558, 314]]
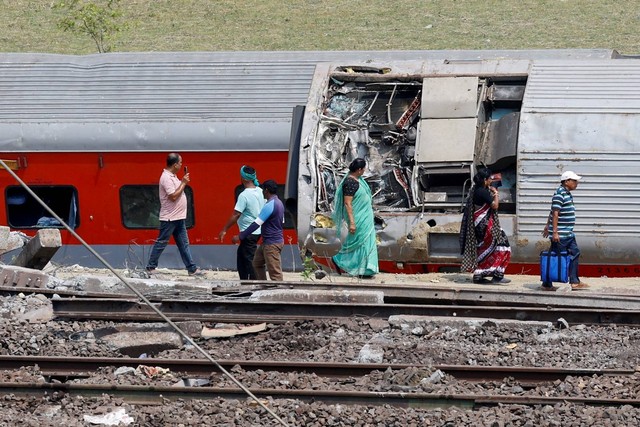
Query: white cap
[[570, 175]]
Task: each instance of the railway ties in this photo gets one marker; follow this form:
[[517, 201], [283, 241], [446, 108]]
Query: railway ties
[[239, 304], [491, 377], [154, 395], [236, 311], [65, 367]]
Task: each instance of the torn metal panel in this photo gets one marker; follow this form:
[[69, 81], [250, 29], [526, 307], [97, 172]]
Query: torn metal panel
[[497, 147], [446, 140], [449, 97]]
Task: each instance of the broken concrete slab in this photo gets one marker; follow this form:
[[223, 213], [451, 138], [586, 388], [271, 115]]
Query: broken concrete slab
[[302, 295], [133, 344], [40, 249], [15, 240], [5, 232], [33, 309], [151, 338], [371, 353], [111, 284], [409, 322], [24, 277], [231, 330]]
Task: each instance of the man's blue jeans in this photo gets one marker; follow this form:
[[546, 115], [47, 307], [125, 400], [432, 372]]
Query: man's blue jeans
[[178, 230], [570, 245]]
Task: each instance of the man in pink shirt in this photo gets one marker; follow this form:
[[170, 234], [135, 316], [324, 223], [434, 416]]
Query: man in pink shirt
[[173, 215]]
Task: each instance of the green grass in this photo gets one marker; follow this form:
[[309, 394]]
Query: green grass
[[213, 25]]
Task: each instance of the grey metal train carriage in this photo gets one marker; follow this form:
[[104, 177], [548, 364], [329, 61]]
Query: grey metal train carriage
[[201, 101], [425, 126]]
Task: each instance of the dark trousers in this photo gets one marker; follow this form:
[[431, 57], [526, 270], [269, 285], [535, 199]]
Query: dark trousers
[[178, 230], [244, 257]]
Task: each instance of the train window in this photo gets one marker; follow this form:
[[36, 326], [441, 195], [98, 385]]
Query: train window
[[288, 217], [140, 206], [24, 211]]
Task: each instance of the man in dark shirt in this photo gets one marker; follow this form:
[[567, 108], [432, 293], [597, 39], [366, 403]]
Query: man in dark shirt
[[270, 219]]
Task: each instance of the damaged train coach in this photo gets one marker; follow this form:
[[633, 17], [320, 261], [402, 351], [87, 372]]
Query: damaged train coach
[[424, 127], [89, 135]]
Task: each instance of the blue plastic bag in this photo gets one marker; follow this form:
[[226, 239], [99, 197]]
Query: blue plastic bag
[[554, 265]]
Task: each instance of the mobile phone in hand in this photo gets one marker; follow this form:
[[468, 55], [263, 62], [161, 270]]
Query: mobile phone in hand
[[186, 169]]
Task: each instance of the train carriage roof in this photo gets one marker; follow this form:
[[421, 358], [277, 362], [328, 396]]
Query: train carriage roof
[[201, 101]]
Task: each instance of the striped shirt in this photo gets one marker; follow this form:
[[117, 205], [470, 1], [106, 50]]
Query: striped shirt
[[562, 202]]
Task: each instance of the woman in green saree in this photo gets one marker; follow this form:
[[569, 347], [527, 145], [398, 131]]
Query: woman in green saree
[[353, 204]]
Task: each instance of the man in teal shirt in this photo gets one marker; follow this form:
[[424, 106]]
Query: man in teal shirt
[[246, 210]]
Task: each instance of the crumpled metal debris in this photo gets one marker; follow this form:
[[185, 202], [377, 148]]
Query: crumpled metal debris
[[374, 122]]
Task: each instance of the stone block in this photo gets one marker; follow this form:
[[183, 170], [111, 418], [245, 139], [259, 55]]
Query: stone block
[[15, 240], [23, 277], [4, 238], [40, 249], [133, 343], [409, 322]]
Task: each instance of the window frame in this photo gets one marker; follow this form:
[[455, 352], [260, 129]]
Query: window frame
[[152, 194], [43, 192]]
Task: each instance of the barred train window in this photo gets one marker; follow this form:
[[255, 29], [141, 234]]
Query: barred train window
[[288, 219], [140, 206], [24, 211]]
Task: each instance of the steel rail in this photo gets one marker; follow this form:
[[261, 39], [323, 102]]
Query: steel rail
[[393, 294], [152, 395], [78, 366], [277, 312], [419, 293]]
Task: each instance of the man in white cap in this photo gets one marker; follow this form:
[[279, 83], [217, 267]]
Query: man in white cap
[[560, 225]]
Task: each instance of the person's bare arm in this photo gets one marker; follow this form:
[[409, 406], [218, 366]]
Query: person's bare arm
[[232, 220], [348, 203], [556, 236], [183, 184], [495, 203]]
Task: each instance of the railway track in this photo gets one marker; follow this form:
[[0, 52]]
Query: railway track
[[231, 306], [231, 311], [59, 369], [393, 294], [154, 395], [67, 367]]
